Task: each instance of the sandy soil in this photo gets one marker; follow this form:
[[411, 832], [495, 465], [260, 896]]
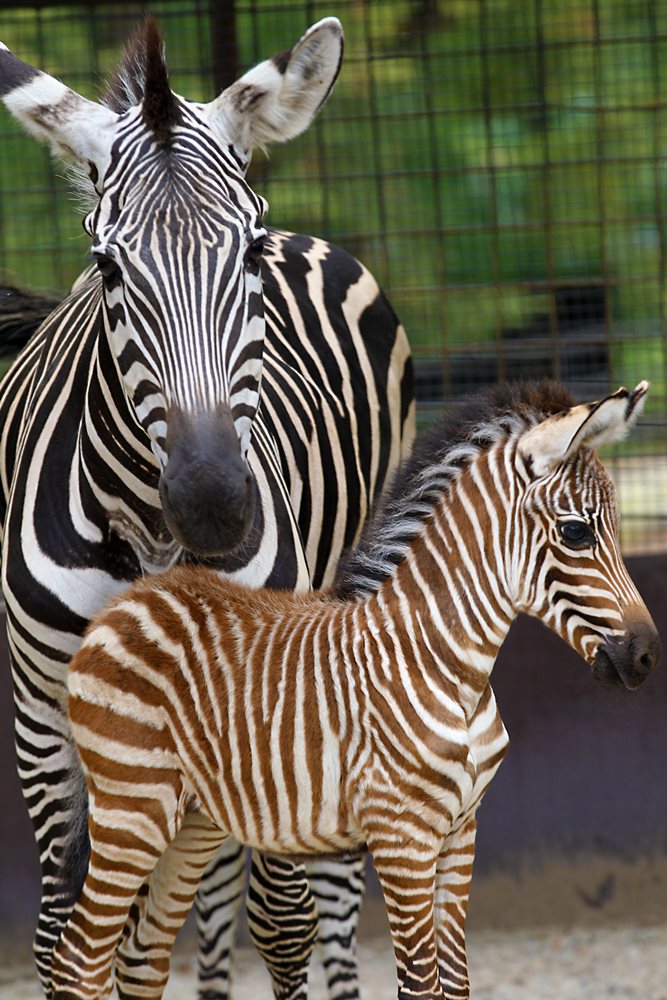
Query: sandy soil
[[552, 964]]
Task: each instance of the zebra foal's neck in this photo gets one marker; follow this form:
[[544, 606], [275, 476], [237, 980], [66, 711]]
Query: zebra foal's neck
[[434, 567]]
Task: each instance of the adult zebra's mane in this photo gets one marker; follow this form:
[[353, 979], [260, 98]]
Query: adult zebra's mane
[[142, 76], [438, 456]]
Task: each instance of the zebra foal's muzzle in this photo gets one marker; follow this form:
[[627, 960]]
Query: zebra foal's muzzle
[[206, 488], [630, 658]]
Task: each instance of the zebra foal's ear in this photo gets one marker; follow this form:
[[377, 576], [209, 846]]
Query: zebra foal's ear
[[589, 425], [279, 98], [74, 127]]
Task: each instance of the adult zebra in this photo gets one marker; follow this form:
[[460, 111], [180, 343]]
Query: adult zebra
[[504, 508], [132, 431]]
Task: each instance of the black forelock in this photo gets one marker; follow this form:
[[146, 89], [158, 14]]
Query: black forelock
[[142, 77], [477, 420]]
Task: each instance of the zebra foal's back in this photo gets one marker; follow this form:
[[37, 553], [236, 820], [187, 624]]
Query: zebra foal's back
[[254, 719]]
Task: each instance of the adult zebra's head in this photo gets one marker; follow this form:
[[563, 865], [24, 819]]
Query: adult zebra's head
[[569, 571], [177, 235]]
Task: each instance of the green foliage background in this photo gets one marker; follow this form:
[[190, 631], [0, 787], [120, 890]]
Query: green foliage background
[[476, 154]]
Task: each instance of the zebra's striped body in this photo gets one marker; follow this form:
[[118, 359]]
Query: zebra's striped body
[[133, 429], [337, 415], [320, 723]]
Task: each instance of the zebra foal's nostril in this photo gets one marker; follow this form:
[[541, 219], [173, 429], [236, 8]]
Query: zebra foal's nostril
[[628, 659], [647, 651]]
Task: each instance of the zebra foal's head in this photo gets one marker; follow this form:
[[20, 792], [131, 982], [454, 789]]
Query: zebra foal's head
[[572, 574], [522, 515], [177, 235]]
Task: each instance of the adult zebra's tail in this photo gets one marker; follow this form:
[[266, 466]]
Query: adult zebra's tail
[[21, 313], [76, 841]]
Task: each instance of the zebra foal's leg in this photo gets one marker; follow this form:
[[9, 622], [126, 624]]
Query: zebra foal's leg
[[282, 919], [406, 871], [217, 904], [158, 913], [338, 886], [121, 859], [453, 875]]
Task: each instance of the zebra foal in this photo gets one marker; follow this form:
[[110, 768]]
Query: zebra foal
[[311, 724]]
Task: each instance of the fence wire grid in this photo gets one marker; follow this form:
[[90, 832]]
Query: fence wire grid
[[500, 165]]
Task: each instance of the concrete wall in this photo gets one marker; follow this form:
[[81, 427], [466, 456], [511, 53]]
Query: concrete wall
[[573, 828]]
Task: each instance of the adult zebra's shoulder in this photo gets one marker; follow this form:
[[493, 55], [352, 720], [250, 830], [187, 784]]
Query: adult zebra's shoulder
[[363, 716], [135, 434], [348, 419]]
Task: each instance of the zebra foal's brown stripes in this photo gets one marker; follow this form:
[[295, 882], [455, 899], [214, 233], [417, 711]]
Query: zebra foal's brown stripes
[[315, 724]]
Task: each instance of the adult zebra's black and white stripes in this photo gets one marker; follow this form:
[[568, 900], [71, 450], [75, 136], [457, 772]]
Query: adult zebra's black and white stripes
[[369, 719], [337, 393], [127, 414]]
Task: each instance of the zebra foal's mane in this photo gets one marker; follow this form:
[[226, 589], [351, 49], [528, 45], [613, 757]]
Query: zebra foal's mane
[[438, 456]]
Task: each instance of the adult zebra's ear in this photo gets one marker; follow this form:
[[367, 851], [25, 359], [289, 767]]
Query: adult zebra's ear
[[278, 99], [590, 425], [75, 128]]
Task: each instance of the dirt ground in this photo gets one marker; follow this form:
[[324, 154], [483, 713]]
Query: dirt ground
[[628, 962]]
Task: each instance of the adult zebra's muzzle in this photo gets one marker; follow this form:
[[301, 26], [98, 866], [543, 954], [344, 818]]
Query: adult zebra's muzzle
[[630, 658], [207, 490]]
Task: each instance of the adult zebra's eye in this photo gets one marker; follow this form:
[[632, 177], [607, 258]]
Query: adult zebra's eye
[[576, 534], [253, 254], [107, 267]]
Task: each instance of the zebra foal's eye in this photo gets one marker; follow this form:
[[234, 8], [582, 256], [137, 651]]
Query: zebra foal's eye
[[576, 534]]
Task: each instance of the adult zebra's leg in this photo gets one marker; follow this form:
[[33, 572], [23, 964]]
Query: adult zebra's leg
[[54, 791], [217, 904], [453, 875], [338, 886], [282, 919], [160, 909]]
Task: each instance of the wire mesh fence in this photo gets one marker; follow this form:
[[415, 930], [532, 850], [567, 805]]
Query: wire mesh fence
[[498, 164]]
